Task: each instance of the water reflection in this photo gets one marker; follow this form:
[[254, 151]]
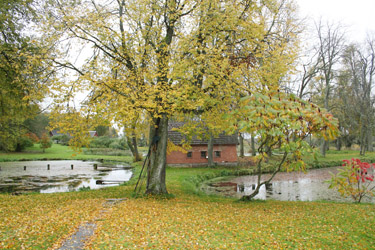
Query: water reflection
[[301, 190], [294, 186], [59, 176]]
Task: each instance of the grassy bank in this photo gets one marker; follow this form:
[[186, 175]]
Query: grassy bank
[[334, 158], [186, 221], [58, 152]]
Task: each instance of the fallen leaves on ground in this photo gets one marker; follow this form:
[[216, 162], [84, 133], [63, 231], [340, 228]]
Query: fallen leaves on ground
[[43, 221], [39, 221], [196, 224]]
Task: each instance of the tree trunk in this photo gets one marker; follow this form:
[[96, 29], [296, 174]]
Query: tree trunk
[[158, 156], [210, 151], [362, 148], [363, 138], [338, 143], [259, 183], [370, 148], [242, 150], [132, 144], [324, 147], [253, 153], [136, 155]]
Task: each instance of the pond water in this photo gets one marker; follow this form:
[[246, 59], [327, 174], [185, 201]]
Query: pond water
[[293, 186], [60, 176]]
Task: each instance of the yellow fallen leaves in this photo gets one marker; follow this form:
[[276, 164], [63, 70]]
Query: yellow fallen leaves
[[43, 221], [197, 224], [40, 221]]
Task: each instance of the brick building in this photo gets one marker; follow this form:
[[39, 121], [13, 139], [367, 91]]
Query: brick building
[[224, 150]]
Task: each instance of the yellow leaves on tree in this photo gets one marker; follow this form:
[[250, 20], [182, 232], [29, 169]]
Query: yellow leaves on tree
[[75, 125], [139, 66], [167, 58]]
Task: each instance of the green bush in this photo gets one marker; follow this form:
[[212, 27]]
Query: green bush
[[100, 142], [61, 139], [23, 142], [106, 151], [118, 143], [107, 142]]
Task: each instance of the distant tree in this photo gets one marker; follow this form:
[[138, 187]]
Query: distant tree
[[21, 68], [45, 142], [37, 124], [330, 45], [359, 67], [310, 72], [132, 138], [102, 130]]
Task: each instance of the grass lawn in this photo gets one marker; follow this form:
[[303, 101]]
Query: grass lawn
[[57, 152], [189, 220], [334, 158]]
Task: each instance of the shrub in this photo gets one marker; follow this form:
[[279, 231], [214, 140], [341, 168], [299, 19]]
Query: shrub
[[106, 142], [61, 139], [354, 180], [23, 142], [100, 142], [33, 137], [118, 143], [106, 151], [45, 142], [115, 145]]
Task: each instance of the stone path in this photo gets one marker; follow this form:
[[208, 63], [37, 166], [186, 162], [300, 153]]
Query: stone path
[[85, 231], [77, 240]]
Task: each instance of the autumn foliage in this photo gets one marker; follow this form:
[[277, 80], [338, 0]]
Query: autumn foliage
[[45, 142], [282, 122], [42, 221], [355, 180]]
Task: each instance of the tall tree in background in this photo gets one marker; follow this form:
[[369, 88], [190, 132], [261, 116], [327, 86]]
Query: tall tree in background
[[310, 72], [37, 124], [359, 63], [21, 84], [165, 58], [133, 131], [329, 49]]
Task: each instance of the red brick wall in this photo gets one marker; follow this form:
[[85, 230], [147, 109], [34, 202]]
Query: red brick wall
[[228, 154]]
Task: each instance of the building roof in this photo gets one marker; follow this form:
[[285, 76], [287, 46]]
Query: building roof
[[55, 132], [93, 133], [176, 137]]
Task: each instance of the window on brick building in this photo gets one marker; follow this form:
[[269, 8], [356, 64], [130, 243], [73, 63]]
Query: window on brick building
[[217, 154], [189, 154], [203, 154]]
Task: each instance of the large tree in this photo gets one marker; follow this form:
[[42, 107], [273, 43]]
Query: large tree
[[358, 78], [21, 86], [165, 58], [331, 41]]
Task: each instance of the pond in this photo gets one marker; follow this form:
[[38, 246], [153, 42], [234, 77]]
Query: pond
[[293, 186], [60, 176]]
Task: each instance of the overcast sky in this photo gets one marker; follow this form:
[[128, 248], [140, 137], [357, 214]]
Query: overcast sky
[[357, 15]]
